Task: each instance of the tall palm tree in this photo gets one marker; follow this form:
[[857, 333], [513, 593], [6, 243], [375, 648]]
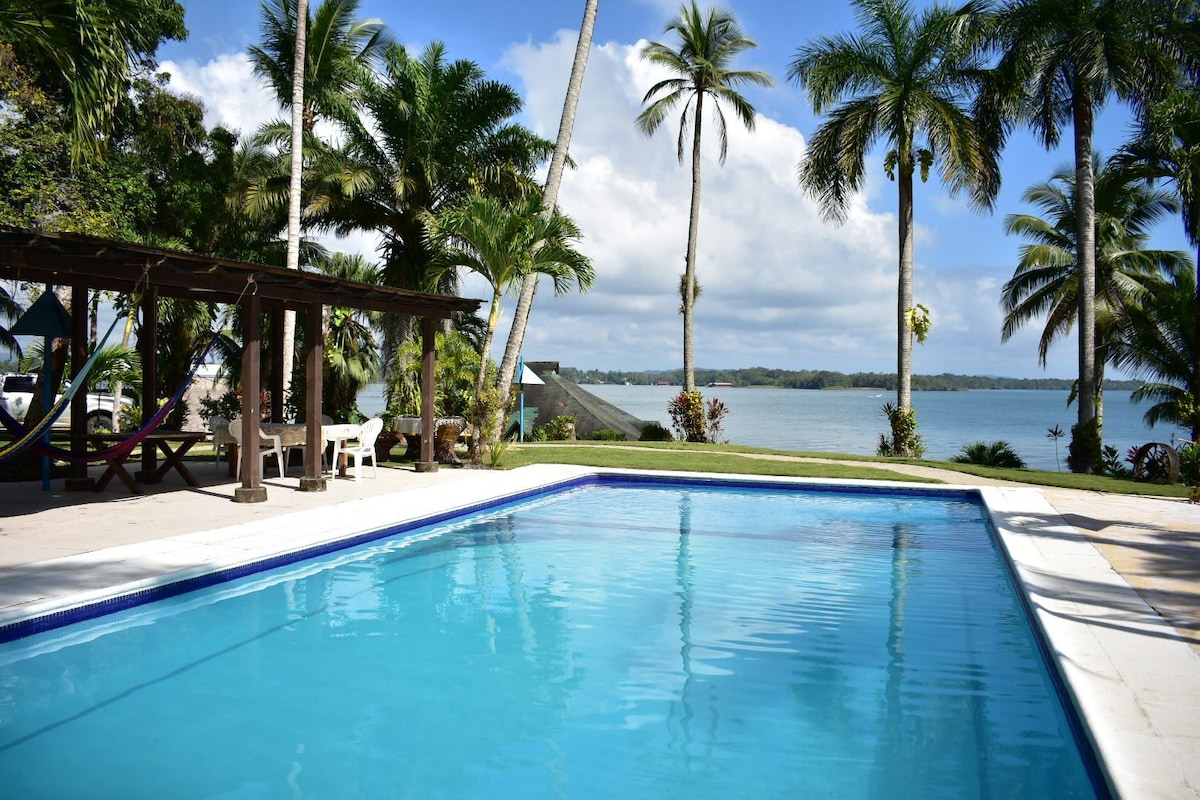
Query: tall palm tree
[[1167, 147], [1060, 62], [1046, 280], [504, 245], [700, 66], [904, 79], [1157, 343], [566, 124], [338, 48], [314, 65]]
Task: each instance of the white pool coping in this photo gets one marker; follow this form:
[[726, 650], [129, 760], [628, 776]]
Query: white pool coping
[[1134, 682]]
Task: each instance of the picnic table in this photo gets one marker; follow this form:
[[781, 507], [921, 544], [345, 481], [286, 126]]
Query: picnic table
[[173, 444]]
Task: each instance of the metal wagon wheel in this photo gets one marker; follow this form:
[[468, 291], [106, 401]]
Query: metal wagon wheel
[[1156, 462]]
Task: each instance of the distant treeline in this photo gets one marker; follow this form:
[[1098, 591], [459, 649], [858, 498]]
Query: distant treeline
[[824, 379]]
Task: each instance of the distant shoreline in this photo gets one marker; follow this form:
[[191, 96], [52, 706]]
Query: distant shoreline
[[763, 378]]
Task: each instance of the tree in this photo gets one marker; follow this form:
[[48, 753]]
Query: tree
[[504, 245], [905, 79], [1167, 147], [431, 133], [1046, 280], [339, 47], [1157, 343], [351, 357], [1060, 61], [566, 124], [84, 49], [707, 46], [326, 73]]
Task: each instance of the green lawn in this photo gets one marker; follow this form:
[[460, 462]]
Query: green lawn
[[733, 458]]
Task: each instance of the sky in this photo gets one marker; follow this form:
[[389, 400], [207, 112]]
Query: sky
[[782, 288]]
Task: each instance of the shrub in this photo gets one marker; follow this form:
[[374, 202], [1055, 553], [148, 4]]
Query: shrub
[[996, 454], [655, 432], [1189, 465], [608, 435], [559, 429], [1112, 464], [695, 421], [229, 405]]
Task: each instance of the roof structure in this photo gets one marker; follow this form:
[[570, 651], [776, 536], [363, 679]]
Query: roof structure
[[86, 263], [68, 258]]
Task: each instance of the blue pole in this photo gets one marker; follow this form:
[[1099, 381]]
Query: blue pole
[[521, 392], [47, 401]]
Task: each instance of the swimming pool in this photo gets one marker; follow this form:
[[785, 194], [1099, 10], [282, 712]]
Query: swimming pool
[[633, 640]]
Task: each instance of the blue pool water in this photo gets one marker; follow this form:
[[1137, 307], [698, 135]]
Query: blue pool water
[[627, 641]]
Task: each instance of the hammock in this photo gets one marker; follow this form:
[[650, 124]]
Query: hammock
[[30, 436], [125, 446]]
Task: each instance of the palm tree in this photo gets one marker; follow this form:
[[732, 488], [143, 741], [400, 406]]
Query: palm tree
[[566, 124], [1046, 280], [1167, 147], [504, 246], [708, 44], [1157, 343], [1060, 62], [904, 79], [350, 355], [432, 132], [317, 78], [338, 48]]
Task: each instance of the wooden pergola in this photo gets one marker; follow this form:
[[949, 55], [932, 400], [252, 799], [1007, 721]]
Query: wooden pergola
[[84, 263]]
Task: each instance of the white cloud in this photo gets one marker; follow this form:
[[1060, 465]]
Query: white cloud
[[233, 97]]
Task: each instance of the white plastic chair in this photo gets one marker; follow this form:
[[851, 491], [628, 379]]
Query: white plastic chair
[[222, 438], [267, 444], [364, 447]]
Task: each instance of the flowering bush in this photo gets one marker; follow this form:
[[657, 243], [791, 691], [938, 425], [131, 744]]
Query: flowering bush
[[693, 420]]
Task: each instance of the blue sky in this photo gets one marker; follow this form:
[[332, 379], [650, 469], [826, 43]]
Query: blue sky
[[782, 288]]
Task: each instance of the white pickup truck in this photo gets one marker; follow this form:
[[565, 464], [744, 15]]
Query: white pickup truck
[[16, 392]]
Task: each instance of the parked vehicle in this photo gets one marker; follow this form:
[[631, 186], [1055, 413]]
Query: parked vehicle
[[16, 393]]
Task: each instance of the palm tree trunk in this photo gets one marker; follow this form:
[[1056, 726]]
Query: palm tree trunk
[[1085, 237], [904, 292], [516, 333], [689, 279], [293, 236], [1196, 357]]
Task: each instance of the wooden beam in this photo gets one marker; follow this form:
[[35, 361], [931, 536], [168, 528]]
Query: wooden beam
[[428, 387], [314, 364], [251, 490]]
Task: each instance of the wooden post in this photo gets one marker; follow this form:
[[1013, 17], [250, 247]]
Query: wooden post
[[251, 490], [148, 345], [428, 342], [314, 441]]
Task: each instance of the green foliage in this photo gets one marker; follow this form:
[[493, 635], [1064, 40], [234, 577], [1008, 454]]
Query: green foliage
[[1084, 453], [486, 415], [559, 429], [904, 442], [1111, 463], [995, 454], [656, 432], [693, 420], [1189, 465], [229, 405], [608, 435]]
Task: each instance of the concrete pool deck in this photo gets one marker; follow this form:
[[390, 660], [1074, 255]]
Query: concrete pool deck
[[1095, 568]]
